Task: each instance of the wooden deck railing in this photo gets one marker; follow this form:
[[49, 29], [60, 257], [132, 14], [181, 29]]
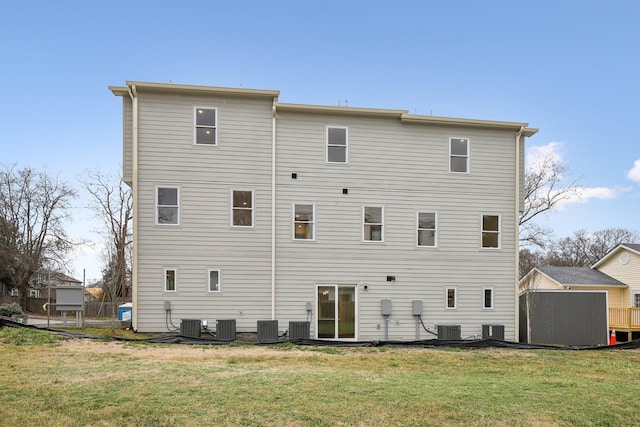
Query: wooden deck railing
[[624, 318]]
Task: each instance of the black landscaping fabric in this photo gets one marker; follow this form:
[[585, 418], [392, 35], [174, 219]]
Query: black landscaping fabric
[[431, 343]]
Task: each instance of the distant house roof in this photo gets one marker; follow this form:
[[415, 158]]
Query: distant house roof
[[633, 247], [585, 276]]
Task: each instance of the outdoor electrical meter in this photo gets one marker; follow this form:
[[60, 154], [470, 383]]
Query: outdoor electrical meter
[[386, 307], [417, 307]]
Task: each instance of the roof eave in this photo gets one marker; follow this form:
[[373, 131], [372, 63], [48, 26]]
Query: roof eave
[[193, 89], [450, 121], [350, 111]]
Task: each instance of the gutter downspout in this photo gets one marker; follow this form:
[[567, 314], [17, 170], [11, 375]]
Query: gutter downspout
[[273, 211], [517, 234], [133, 94]]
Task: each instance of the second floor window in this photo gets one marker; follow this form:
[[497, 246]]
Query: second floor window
[[242, 208], [206, 128], [337, 144], [167, 206], [459, 155], [427, 229], [491, 231], [373, 224], [303, 222]]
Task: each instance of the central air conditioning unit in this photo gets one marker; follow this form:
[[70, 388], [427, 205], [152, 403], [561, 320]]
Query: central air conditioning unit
[[190, 328], [300, 330], [449, 332], [267, 331], [495, 332], [226, 330]]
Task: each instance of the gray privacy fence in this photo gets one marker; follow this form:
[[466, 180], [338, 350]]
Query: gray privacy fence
[[91, 308]]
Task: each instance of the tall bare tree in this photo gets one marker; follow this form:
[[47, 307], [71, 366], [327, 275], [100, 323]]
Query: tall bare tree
[[33, 209], [584, 249], [112, 202], [543, 189]]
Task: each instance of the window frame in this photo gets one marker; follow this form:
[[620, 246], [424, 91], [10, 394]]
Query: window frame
[[158, 206], [455, 297], [312, 222], [219, 287], [382, 227], [196, 126], [328, 144], [435, 230], [175, 279], [233, 208], [484, 298], [498, 232], [633, 299], [467, 157]]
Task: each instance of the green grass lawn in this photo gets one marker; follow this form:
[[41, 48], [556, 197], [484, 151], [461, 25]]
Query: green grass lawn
[[71, 382]]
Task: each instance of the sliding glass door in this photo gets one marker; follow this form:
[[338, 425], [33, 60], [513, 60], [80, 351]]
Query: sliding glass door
[[336, 312]]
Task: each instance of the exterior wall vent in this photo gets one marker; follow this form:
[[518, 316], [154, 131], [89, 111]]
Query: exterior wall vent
[[190, 328], [226, 330], [495, 332], [267, 331], [300, 330], [449, 332]]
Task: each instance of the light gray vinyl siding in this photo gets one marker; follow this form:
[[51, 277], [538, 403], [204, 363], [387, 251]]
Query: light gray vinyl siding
[[204, 238], [522, 163], [405, 169], [127, 138]]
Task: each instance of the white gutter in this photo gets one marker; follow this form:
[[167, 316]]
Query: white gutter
[[517, 238], [134, 189], [273, 212]]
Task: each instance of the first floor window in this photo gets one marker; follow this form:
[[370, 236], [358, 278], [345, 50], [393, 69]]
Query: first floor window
[[170, 280], [487, 298], [373, 224], [14, 292], [337, 144], [491, 231], [206, 128], [242, 208], [167, 206], [427, 229], [459, 155], [303, 222], [214, 280], [34, 293], [636, 299], [451, 298]]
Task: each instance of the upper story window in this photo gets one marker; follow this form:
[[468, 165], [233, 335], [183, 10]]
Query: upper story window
[[167, 205], [214, 280], [337, 144], [373, 223], [491, 231], [170, 279], [242, 208], [427, 229], [459, 155], [206, 126], [304, 222]]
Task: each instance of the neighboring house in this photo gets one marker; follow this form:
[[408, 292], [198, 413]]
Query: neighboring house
[[251, 209], [40, 281], [617, 273]]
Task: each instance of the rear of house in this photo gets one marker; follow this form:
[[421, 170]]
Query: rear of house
[[251, 209]]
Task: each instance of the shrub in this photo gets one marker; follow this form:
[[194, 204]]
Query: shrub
[[12, 309]]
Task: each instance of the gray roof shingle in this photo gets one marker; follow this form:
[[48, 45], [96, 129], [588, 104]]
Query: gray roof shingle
[[580, 276]]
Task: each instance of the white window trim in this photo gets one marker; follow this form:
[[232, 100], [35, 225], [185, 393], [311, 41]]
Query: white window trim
[[499, 232], [456, 155], [293, 223], [493, 295], [195, 126], [157, 205], [435, 237], [455, 298], [219, 280], [164, 279], [357, 309], [253, 209], [363, 224], [327, 145], [34, 293]]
